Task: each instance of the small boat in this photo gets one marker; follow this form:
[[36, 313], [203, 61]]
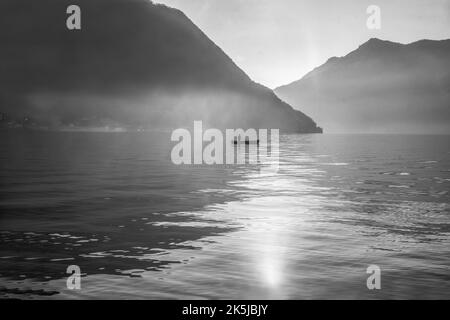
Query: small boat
[[246, 141]]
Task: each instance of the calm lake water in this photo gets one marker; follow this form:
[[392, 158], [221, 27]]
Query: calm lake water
[[140, 227]]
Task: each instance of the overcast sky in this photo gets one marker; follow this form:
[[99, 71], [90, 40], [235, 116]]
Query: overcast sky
[[278, 41]]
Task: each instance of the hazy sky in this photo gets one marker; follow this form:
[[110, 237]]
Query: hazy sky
[[277, 41]]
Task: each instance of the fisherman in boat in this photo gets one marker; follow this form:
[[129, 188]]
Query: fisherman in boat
[[246, 141]]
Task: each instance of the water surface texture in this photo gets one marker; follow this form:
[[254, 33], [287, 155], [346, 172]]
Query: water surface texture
[[139, 226]]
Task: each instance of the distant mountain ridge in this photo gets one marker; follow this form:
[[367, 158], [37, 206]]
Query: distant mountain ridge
[[381, 87], [132, 64]]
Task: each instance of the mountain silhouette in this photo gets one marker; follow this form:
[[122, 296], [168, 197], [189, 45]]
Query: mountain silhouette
[[133, 63], [380, 87]]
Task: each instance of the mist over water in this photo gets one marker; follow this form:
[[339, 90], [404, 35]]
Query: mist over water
[[140, 227]]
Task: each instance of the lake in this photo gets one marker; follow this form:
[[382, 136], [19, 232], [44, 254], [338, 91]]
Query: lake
[[140, 227]]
